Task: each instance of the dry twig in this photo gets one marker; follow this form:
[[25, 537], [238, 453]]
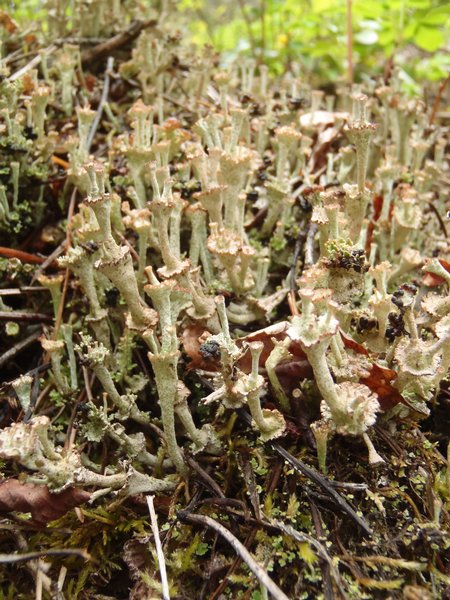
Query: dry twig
[[239, 548], [159, 550]]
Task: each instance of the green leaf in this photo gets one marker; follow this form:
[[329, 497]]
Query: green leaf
[[322, 5], [410, 29], [386, 37], [368, 10], [202, 549], [437, 16], [429, 39], [306, 553]]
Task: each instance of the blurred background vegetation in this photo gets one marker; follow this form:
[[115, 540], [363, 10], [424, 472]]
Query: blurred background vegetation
[[413, 35]]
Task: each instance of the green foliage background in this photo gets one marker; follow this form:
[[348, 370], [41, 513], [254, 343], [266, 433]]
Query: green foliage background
[[414, 34]]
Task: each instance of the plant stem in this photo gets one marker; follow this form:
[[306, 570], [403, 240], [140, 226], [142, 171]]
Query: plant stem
[[349, 43]]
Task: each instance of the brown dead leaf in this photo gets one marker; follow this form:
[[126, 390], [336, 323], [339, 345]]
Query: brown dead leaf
[[433, 280], [192, 338], [30, 39], [195, 335], [380, 379], [266, 336], [380, 382], [28, 84], [37, 500], [137, 556], [7, 22], [352, 345], [290, 373]]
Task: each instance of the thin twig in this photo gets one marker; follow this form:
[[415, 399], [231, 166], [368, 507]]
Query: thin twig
[[205, 476], [238, 547], [324, 565], [12, 352], [29, 317], [21, 255], [70, 212], [320, 548], [33, 566], [59, 316], [322, 482], [116, 42], [103, 100], [292, 303], [25, 557], [159, 550], [34, 62], [124, 240], [177, 103], [439, 218], [217, 593], [299, 243], [316, 477], [50, 259], [27, 289], [398, 563], [438, 98]]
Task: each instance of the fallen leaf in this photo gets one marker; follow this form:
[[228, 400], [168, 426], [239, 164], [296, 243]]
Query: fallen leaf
[[192, 339], [37, 500], [352, 345], [380, 382], [433, 280], [7, 22]]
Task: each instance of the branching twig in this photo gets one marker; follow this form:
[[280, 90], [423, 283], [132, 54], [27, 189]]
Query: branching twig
[[26, 289], [204, 475], [323, 483], [320, 548], [118, 41], [238, 547], [49, 260], [34, 62], [103, 100], [318, 479], [11, 353]]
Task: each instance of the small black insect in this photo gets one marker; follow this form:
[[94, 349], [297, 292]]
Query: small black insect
[[90, 246], [210, 350]]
